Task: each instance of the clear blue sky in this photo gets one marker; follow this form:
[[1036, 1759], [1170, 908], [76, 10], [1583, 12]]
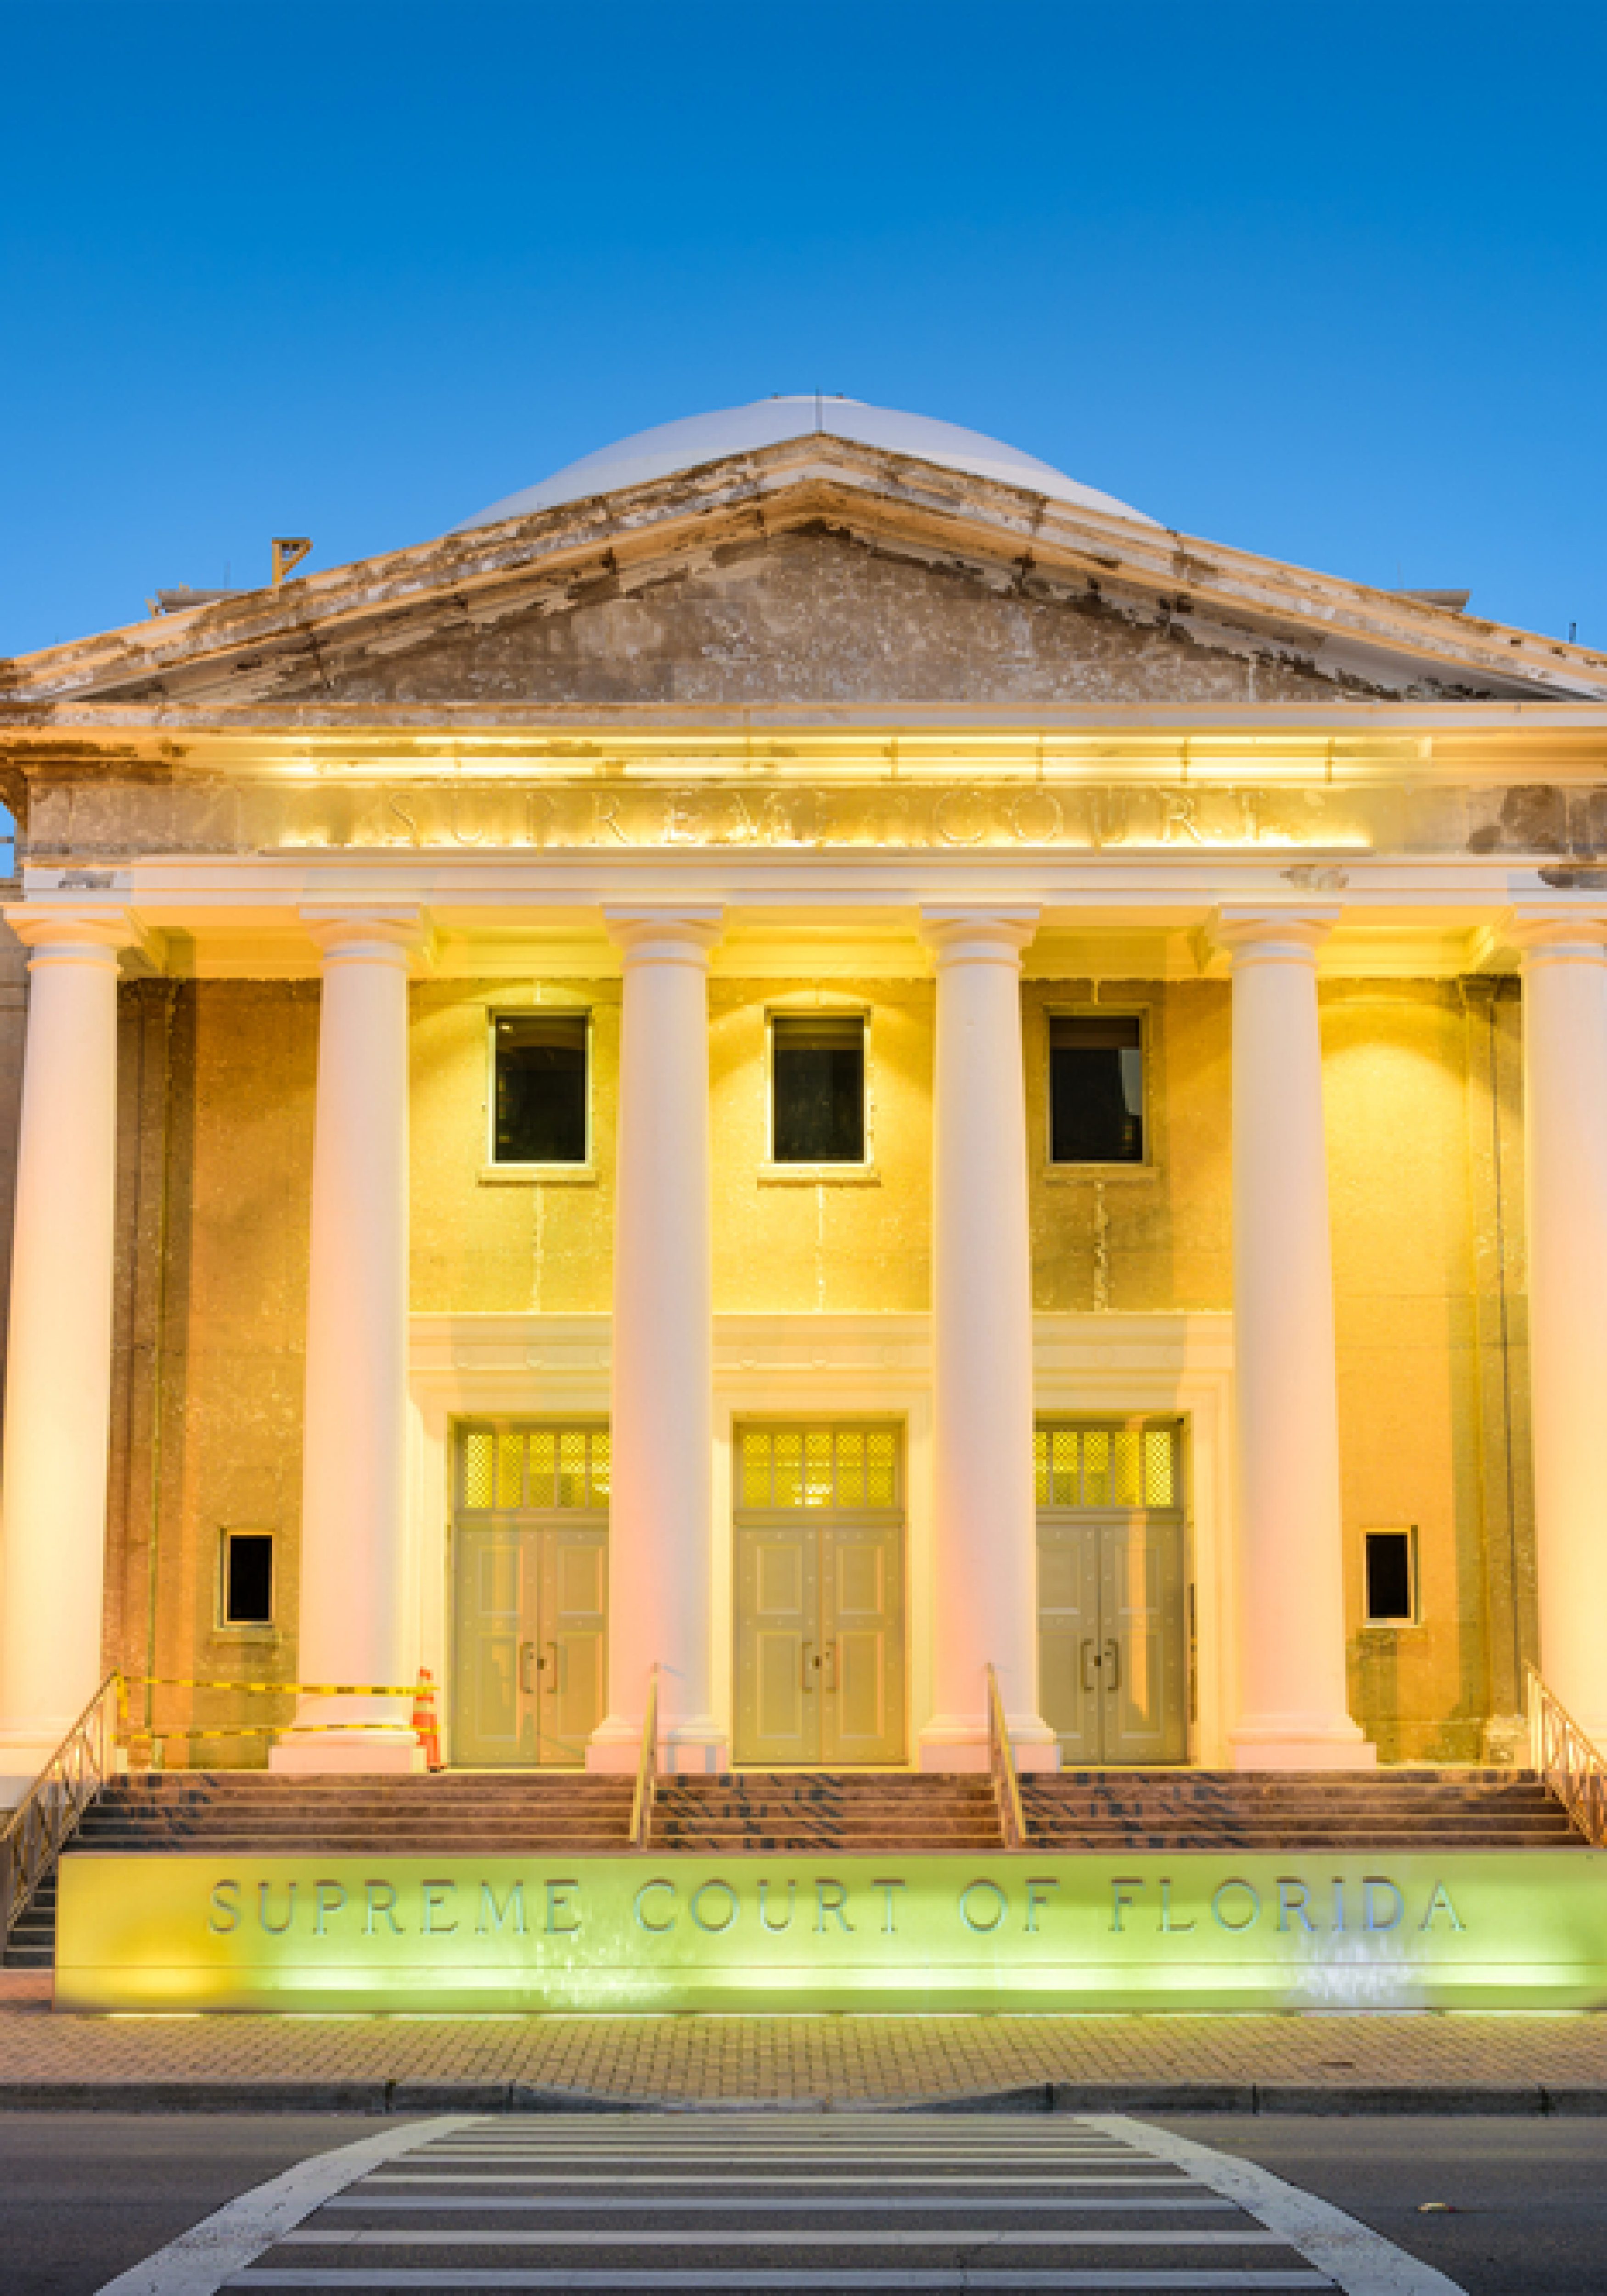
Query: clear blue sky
[[1325, 280]]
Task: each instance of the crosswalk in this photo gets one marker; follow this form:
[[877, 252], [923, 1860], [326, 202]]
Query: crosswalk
[[771, 2202]]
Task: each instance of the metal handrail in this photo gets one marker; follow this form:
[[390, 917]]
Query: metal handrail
[[1569, 1763], [48, 1812], [647, 1767], [1001, 1762]]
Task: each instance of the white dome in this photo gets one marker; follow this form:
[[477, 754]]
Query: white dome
[[700, 439]]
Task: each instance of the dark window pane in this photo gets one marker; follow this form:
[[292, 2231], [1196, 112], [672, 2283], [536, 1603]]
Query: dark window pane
[[248, 1572], [540, 1090], [819, 1092], [1096, 1090], [1390, 1574]]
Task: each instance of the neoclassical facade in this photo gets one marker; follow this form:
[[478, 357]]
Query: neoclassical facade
[[813, 1059]]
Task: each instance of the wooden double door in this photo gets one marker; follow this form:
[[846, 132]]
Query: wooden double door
[[1113, 1663], [820, 1600], [529, 1673]]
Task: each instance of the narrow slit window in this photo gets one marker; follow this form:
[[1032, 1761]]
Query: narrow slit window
[[818, 1088], [1096, 1089], [541, 1088], [1392, 1578], [248, 1578]]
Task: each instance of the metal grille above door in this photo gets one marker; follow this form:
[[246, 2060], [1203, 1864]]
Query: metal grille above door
[[1112, 1655], [820, 1660], [529, 1593]]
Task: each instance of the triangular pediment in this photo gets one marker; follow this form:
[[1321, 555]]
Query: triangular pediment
[[817, 574]]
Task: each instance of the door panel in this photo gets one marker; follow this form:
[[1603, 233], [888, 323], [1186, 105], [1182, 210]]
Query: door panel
[[1141, 1591], [778, 1669], [493, 1696], [530, 1602], [1069, 1639], [1112, 1647], [574, 1609], [862, 1632]]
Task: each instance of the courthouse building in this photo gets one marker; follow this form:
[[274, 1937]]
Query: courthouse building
[[812, 1057]]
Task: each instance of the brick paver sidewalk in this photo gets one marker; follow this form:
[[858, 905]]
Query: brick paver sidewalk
[[1509, 2061]]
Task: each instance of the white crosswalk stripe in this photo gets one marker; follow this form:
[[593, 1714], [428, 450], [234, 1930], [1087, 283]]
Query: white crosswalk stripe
[[734, 2202], [758, 2202]]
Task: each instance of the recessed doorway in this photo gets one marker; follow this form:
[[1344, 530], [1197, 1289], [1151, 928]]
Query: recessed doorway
[[1112, 1591], [820, 1632], [529, 1593]]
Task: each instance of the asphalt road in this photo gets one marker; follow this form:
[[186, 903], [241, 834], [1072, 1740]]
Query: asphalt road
[[84, 2196], [1524, 2202]]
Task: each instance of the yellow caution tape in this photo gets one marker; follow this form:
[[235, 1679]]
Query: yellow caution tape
[[250, 1730], [290, 1689]]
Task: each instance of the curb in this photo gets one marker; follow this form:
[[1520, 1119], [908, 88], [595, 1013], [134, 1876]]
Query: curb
[[383, 2097]]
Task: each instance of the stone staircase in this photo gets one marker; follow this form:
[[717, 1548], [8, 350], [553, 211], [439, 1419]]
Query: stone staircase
[[775, 1813], [1399, 1809]]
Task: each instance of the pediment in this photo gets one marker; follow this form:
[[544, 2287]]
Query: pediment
[[818, 575]]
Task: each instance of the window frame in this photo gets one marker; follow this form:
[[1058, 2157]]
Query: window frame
[[506, 1172], [1142, 1167], [1409, 1531], [225, 1625], [843, 1174]]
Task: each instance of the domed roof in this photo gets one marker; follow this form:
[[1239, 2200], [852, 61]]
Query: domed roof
[[699, 439]]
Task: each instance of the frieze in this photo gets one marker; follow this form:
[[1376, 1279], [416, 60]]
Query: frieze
[[464, 817]]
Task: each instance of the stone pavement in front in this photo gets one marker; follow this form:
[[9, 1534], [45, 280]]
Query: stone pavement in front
[[796, 2059]]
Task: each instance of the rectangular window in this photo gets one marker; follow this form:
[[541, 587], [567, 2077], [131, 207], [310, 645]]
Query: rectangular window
[[541, 1088], [1392, 1578], [1095, 1088], [248, 1578], [818, 1091]]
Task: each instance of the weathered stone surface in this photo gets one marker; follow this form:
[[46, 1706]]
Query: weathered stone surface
[[817, 615]]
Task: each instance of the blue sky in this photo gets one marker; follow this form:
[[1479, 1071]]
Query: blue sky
[[1328, 282]]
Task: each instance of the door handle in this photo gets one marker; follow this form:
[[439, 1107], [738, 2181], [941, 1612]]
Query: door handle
[[557, 1671], [803, 1664], [1114, 1648], [527, 1652], [831, 1662], [1087, 1646]]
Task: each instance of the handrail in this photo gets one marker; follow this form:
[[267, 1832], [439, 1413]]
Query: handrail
[[1001, 1762], [48, 1812], [1570, 1764], [647, 1767]]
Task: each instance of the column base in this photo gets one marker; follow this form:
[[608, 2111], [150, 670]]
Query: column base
[[958, 1741], [1296, 1743], [699, 1747], [356, 1755], [1505, 1742]]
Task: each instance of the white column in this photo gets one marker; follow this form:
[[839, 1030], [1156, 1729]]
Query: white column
[[57, 1379], [356, 1616], [1565, 1167], [660, 1520], [1290, 1595], [985, 1523]]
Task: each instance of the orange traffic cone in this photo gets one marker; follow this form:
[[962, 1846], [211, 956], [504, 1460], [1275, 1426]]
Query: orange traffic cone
[[425, 1724]]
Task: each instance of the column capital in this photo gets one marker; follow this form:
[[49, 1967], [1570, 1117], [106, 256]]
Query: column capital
[[1266, 933], [671, 935], [1547, 934], [385, 935], [72, 934], [960, 934]]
